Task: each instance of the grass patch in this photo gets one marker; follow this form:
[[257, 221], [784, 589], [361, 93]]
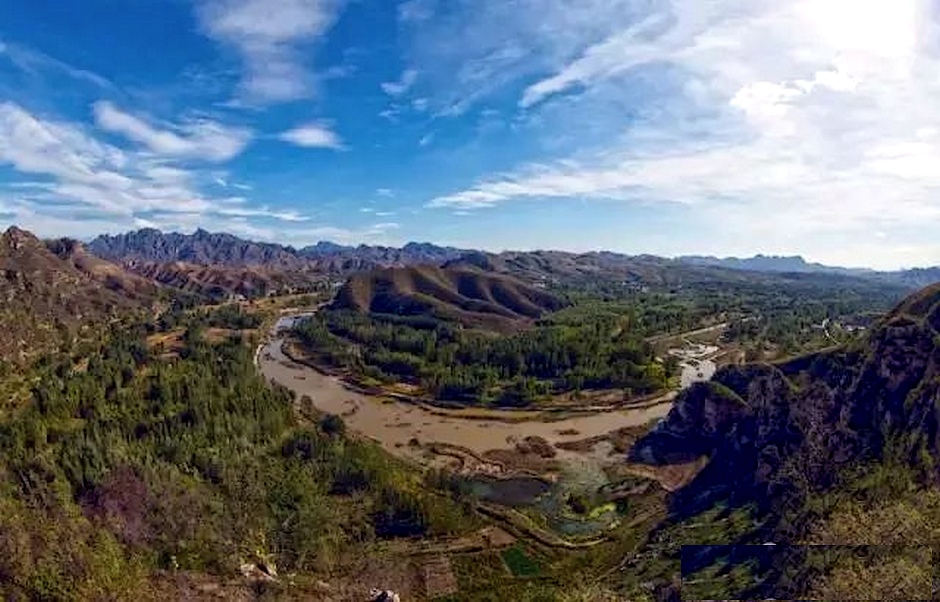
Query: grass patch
[[479, 571], [520, 563]]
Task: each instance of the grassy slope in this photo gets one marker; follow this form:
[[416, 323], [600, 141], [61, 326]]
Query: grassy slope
[[47, 299], [466, 295]]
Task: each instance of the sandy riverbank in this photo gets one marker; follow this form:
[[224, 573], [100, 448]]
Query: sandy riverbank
[[394, 423]]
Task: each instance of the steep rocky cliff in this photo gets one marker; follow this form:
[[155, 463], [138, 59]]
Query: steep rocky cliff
[[770, 429]]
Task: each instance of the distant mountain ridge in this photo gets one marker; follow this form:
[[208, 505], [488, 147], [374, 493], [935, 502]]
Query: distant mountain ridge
[[770, 263], [202, 247], [137, 251], [796, 264], [206, 248]]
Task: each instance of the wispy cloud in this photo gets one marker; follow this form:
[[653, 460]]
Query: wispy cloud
[[416, 11], [197, 139], [379, 233], [36, 62], [313, 135], [392, 113], [269, 36], [283, 216], [404, 83], [789, 119], [472, 50], [63, 173]]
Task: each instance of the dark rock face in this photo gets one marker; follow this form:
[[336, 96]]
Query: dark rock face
[[766, 429], [933, 318], [201, 247], [694, 428]]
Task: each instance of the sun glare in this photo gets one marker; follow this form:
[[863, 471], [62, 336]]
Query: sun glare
[[879, 27]]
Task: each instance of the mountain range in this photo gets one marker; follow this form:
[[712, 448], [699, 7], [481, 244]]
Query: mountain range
[[327, 258], [205, 248], [795, 264], [770, 263], [62, 283]]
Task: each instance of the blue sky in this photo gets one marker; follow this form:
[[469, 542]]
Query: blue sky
[[643, 126]]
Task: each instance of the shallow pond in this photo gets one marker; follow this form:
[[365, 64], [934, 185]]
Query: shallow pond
[[515, 492], [551, 499]]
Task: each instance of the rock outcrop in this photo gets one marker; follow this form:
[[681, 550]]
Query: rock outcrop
[[767, 429]]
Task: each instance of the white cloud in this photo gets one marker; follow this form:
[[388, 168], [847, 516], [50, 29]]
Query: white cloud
[[270, 36], [195, 139], [404, 83], [301, 236], [65, 174], [385, 192], [619, 52], [786, 120], [313, 135], [283, 216]]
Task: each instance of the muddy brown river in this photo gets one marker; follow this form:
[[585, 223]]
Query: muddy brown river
[[395, 423]]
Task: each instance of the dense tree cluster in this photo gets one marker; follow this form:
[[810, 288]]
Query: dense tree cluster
[[123, 464], [783, 314], [593, 350]]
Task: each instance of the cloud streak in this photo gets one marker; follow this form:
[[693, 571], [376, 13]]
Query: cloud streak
[[35, 62], [196, 139]]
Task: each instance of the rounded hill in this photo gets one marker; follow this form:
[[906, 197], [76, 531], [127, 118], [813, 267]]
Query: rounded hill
[[464, 294]]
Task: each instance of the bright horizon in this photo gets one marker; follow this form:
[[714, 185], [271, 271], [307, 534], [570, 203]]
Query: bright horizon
[[727, 128]]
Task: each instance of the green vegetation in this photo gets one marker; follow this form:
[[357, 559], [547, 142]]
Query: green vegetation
[[769, 316], [448, 361], [874, 529], [231, 316], [123, 465], [520, 563]]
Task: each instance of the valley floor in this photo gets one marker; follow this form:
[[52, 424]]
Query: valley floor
[[404, 429]]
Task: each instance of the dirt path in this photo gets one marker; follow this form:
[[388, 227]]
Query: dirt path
[[394, 423], [682, 335]]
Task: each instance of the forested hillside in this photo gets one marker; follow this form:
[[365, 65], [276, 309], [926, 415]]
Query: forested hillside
[[127, 473]]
